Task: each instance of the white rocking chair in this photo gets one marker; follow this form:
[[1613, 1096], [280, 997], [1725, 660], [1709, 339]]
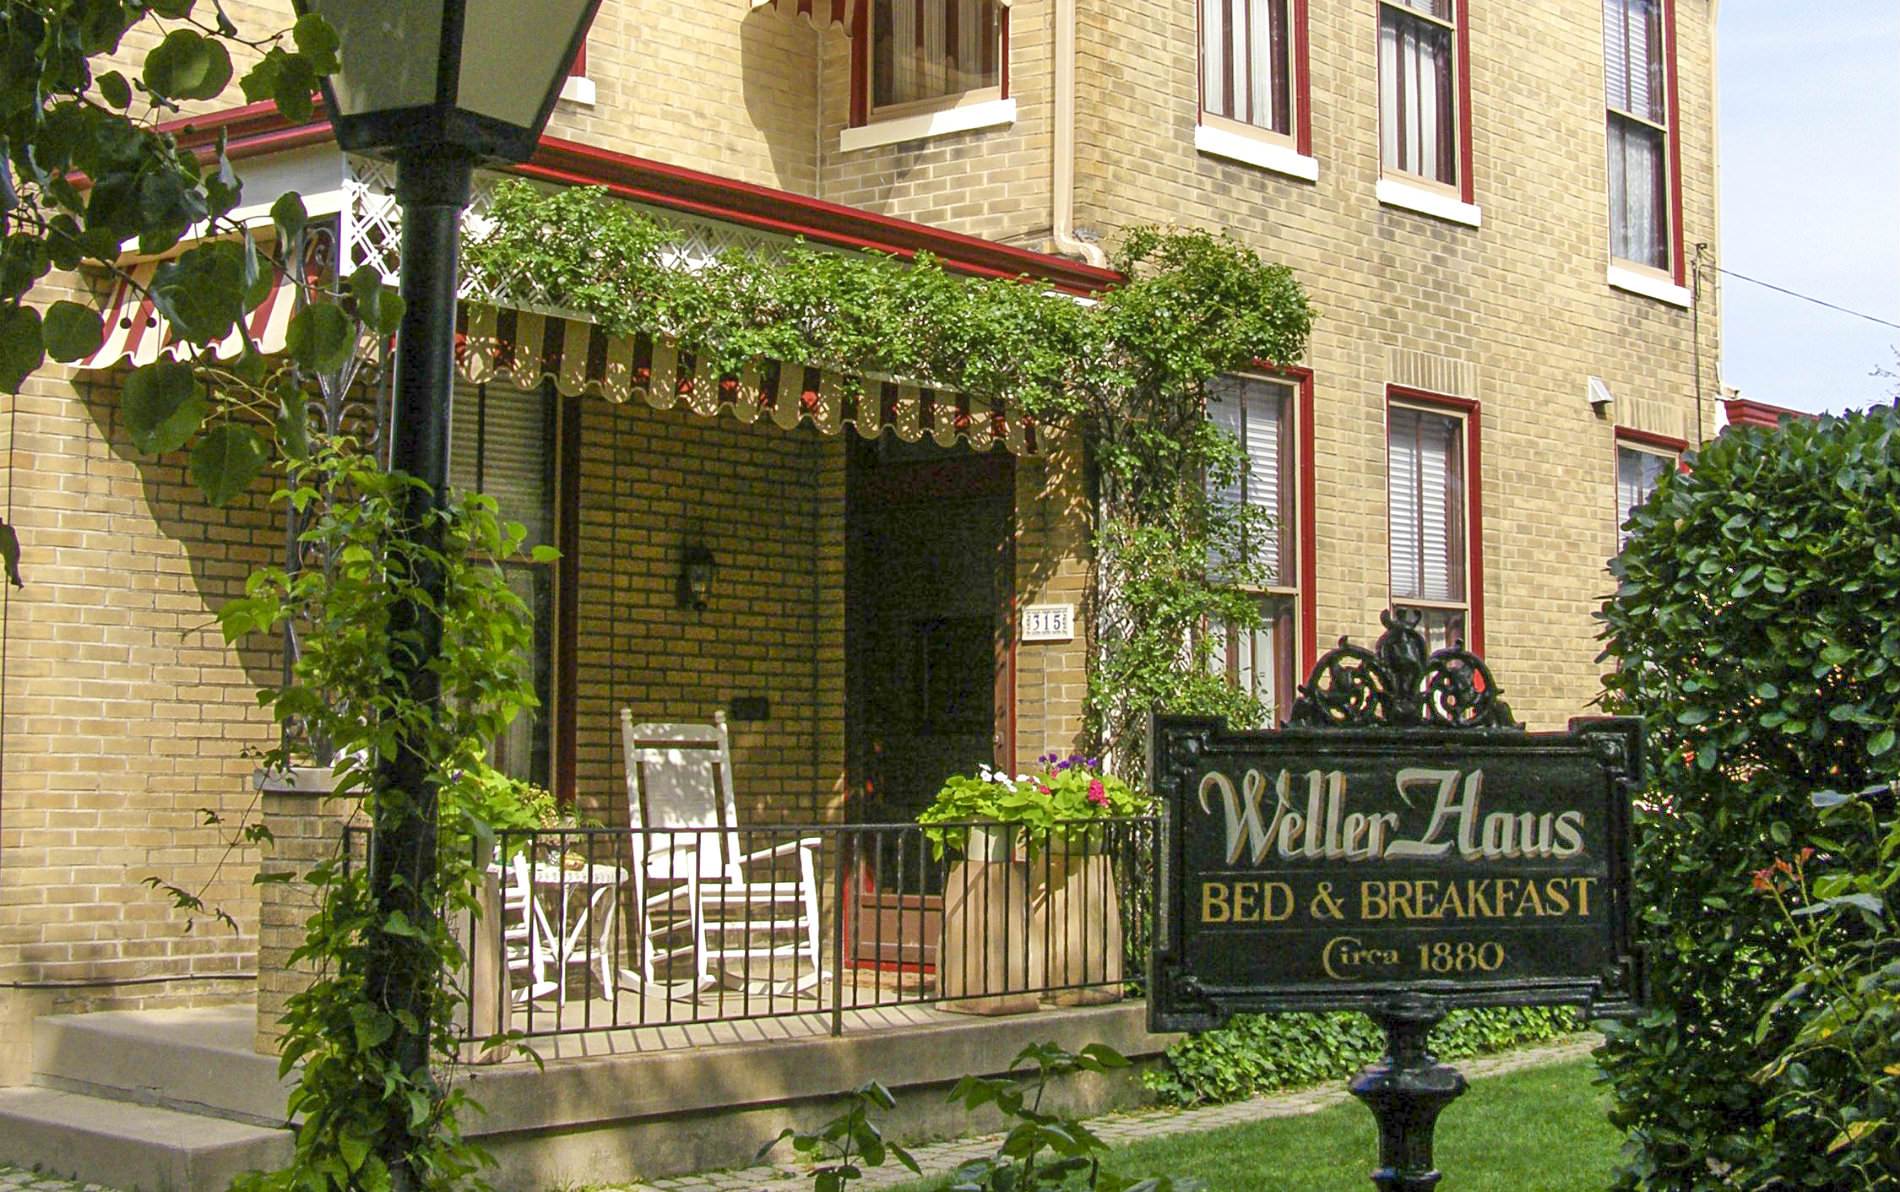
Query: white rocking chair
[[528, 942], [686, 842]]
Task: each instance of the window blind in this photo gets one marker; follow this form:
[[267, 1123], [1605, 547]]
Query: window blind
[[1425, 487], [500, 445], [1637, 474], [1254, 412]]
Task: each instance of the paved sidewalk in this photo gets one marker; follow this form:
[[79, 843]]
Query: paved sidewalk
[[941, 1158], [1119, 1129]]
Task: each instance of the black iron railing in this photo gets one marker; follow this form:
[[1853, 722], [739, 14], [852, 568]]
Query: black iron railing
[[604, 929]]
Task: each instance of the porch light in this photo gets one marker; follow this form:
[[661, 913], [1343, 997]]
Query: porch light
[[696, 577], [475, 76]]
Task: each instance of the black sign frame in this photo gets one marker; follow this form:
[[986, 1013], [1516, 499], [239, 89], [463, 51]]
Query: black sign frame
[[1390, 706]]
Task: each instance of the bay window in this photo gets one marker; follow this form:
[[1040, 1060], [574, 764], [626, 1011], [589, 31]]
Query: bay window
[[1636, 88], [1259, 413], [1419, 89], [935, 53], [1428, 504]]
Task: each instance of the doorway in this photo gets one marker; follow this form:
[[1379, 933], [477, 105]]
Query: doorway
[[929, 673]]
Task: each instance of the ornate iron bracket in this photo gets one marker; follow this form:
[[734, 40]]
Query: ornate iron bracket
[[1397, 685]]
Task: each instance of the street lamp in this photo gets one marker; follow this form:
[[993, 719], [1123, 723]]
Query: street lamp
[[436, 86]]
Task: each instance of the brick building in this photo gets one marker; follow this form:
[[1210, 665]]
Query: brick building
[[1502, 212]]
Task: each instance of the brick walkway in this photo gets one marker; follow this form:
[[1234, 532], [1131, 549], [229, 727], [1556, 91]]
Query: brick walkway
[[941, 1158]]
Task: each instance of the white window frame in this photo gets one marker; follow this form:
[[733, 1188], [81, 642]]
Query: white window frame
[[1287, 518], [1454, 187], [1428, 605], [983, 100], [1672, 460], [1643, 277]]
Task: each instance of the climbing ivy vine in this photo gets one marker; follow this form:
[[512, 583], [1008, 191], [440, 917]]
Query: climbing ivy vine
[[1125, 374]]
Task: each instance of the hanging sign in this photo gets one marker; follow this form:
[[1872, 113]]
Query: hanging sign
[[1401, 836]]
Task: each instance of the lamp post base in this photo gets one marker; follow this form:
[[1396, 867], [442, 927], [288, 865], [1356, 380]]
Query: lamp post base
[[1406, 1091]]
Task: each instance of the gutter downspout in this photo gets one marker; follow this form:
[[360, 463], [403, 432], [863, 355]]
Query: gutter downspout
[[1062, 196]]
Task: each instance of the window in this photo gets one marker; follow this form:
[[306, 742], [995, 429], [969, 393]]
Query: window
[[1419, 88], [1636, 88], [1428, 505], [1637, 473], [502, 445], [935, 53], [1247, 63], [1259, 413]]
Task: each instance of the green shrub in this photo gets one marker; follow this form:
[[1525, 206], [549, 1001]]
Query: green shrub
[[1258, 1053], [1755, 621]]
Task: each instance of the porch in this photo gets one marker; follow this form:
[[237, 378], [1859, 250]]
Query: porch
[[178, 1101]]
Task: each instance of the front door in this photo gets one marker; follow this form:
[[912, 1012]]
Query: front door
[[929, 578]]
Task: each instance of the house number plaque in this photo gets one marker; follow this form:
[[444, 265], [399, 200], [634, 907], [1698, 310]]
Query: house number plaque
[[1401, 847], [1049, 623]]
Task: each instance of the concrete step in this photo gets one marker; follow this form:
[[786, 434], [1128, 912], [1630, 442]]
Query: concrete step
[[133, 1148], [197, 1061]]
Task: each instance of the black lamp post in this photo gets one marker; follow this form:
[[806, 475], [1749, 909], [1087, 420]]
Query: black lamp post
[[436, 86]]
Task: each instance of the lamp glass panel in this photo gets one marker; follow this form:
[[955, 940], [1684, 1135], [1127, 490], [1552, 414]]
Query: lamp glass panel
[[513, 54], [389, 52]]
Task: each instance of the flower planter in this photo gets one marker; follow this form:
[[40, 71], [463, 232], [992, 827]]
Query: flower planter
[[1078, 919], [990, 960]]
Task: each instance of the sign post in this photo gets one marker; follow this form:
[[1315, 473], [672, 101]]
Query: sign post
[[1401, 847]]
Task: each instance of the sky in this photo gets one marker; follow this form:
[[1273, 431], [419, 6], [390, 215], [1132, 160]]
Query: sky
[[1810, 174]]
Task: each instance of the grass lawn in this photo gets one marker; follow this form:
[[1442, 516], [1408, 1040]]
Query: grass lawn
[[1535, 1130]]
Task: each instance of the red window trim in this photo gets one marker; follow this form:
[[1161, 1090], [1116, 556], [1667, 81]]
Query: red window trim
[[1302, 74], [1649, 438], [1468, 409], [1677, 265], [860, 35], [1461, 54], [577, 69]]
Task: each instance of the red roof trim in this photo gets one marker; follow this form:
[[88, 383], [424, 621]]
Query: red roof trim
[[259, 128], [1743, 411]]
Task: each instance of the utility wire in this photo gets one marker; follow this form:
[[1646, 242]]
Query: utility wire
[[1809, 298]]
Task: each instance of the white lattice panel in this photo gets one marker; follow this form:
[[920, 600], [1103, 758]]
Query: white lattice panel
[[372, 235]]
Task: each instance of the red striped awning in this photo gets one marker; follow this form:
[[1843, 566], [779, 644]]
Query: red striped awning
[[524, 349], [823, 12], [136, 332]]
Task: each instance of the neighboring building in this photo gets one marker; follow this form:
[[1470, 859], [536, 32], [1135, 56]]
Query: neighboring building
[[1499, 210]]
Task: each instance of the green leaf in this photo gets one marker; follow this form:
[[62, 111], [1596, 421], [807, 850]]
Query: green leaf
[[72, 331], [21, 349], [1881, 742], [187, 65], [353, 1147], [321, 338], [114, 89], [225, 460], [317, 41], [288, 214], [164, 405]]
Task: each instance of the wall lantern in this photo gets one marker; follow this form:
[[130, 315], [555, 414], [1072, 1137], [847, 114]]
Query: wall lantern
[[696, 577]]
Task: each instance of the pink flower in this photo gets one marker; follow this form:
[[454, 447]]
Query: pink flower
[[1098, 795], [1044, 789]]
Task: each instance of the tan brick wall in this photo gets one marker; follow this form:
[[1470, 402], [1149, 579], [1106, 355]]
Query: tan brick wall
[[769, 505], [125, 716], [1052, 539], [1518, 308]]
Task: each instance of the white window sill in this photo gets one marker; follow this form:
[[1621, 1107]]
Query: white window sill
[[989, 114], [578, 89], [1649, 285], [1235, 146], [1426, 201]]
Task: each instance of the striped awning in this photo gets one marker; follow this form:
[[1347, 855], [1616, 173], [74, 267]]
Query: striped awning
[[136, 332], [524, 349], [822, 12]]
